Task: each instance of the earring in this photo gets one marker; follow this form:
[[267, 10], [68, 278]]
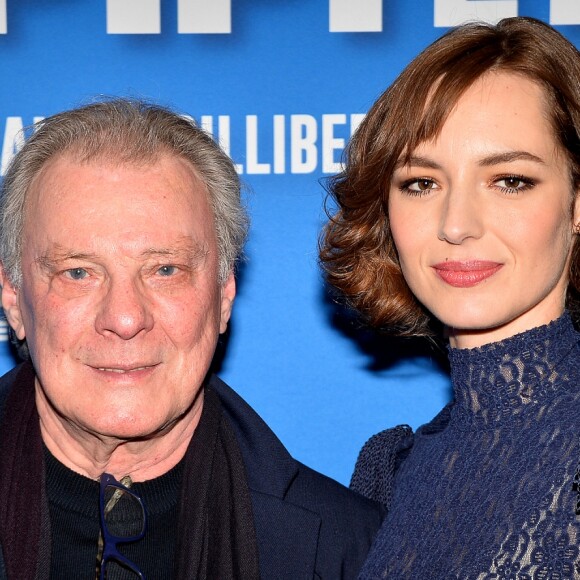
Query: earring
[[577, 228]]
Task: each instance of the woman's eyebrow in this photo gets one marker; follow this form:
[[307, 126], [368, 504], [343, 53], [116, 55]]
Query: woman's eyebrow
[[509, 156], [489, 160], [417, 161]]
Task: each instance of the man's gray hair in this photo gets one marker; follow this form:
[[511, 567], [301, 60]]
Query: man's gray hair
[[123, 131]]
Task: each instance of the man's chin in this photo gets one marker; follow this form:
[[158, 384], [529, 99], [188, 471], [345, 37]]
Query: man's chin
[[141, 427]]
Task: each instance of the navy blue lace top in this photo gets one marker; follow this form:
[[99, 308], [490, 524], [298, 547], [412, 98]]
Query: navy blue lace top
[[487, 490]]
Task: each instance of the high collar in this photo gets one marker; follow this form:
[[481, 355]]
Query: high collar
[[499, 382]]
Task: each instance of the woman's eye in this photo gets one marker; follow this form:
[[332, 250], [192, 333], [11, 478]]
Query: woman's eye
[[514, 183], [167, 270], [76, 273], [418, 186]]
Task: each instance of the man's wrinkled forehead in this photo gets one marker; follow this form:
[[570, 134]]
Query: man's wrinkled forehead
[[165, 192]]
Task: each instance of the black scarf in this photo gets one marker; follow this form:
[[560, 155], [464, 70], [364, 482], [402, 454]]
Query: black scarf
[[216, 535]]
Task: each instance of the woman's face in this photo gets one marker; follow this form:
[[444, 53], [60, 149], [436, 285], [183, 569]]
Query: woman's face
[[481, 216]]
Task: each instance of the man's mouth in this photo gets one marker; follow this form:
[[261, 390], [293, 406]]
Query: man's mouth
[[124, 370]]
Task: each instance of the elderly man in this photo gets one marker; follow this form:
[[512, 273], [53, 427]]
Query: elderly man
[[120, 457]]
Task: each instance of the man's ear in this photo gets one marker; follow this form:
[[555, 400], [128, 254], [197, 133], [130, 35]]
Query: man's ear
[[11, 305], [228, 292]]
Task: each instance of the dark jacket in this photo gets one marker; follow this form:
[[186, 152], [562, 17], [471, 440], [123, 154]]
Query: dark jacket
[[307, 525]]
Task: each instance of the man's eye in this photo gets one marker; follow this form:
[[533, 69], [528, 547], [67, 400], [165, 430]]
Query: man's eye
[[76, 273], [167, 270]]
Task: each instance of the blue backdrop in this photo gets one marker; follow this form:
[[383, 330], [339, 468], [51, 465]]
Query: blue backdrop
[[281, 84]]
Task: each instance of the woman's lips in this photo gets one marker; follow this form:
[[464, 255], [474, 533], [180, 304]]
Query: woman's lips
[[466, 274]]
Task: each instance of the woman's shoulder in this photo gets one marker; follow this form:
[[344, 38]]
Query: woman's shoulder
[[384, 452], [377, 462]]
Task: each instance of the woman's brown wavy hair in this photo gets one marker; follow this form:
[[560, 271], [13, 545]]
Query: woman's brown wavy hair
[[357, 250]]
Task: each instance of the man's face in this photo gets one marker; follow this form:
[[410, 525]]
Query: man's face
[[120, 301]]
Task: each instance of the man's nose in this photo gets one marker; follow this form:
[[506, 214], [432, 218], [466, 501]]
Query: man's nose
[[460, 217], [125, 309]]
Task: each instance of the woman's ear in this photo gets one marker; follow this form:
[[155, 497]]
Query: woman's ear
[[576, 213]]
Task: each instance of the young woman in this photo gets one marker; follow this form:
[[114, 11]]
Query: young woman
[[458, 210]]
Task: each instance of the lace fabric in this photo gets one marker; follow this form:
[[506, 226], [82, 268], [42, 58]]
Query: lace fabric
[[491, 496]]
